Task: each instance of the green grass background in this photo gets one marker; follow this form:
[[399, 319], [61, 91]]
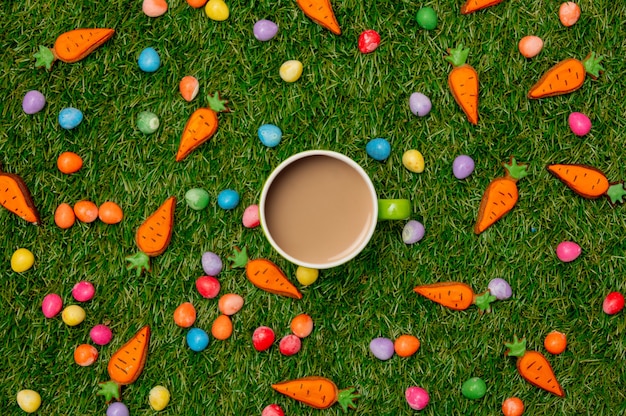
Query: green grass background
[[343, 100]]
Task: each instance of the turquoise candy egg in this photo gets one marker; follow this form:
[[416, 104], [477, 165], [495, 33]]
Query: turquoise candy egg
[[378, 149], [149, 60], [270, 135], [228, 199], [197, 339], [70, 117]]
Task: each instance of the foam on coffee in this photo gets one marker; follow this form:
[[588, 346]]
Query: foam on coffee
[[319, 209]]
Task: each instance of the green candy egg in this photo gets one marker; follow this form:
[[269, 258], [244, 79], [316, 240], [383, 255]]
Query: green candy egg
[[474, 388], [147, 122], [427, 18], [197, 198]]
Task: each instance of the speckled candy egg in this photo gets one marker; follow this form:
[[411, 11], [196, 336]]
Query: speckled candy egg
[[569, 13], [147, 122], [83, 291], [530, 46], [265, 30], [369, 40], [197, 339], [189, 87], [420, 104], [73, 315], [251, 216], [568, 251], [474, 388], [413, 160], [159, 398], [211, 263], [378, 149], [33, 102], [291, 71], [426, 18], [51, 305], [154, 8], [197, 198], [28, 400], [382, 348], [228, 199], [70, 118], [500, 288], [149, 60], [413, 232], [101, 334], [579, 123], [416, 397], [463, 166], [117, 409], [270, 135], [230, 303]]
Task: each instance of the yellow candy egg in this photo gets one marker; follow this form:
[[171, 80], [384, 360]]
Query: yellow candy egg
[[290, 71], [28, 400], [217, 10], [22, 260], [159, 398], [413, 160], [73, 315], [306, 276]]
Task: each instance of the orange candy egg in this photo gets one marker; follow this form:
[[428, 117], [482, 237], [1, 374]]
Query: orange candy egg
[[569, 13], [530, 46], [555, 342], [110, 213], [185, 315], [196, 3], [85, 355], [86, 211], [222, 327], [69, 162], [513, 406], [406, 345], [302, 325], [64, 216], [230, 304], [189, 86]]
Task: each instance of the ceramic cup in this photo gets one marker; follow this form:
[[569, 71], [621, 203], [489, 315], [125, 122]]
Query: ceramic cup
[[319, 209]]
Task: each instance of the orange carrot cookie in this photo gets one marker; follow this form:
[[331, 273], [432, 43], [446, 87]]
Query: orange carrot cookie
[[463, 82], [73, 46], [317, 392], [588, 182], [472, 6], [15, 196], [566, 76], [321, 12]]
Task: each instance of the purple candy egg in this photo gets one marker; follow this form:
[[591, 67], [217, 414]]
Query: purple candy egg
[[51, 305], [211, 263], [382, 348], [117, 409], [417, 397], [463, 166], [500, 288], [420, 104], [568, 251], [579, 123], [413, 232], [33, 102], [265, 30]]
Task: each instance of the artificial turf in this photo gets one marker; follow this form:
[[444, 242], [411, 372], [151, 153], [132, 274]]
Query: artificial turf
[[342, 100]]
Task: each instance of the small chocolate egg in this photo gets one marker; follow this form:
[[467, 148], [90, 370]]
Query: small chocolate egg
[[270, 135], [378, 149], [579, 123], [569, 13], [265, 30], [420, 104], [530, 46], [149, 60], [291, 71], [189, 87], [413, 160], [70, 118], [147, 122], [33, 102], [51, 305], [568, 251], [463, 166]]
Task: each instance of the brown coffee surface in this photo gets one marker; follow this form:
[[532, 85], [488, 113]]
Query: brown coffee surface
[[318, 209]]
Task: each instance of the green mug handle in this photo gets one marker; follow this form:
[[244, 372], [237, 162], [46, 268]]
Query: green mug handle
[[394, 209]]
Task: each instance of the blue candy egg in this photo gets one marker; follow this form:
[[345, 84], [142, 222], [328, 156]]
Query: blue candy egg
[[149, 60], [197, 339], [379, 149], [270, 135], [228, 199], [70, 117]]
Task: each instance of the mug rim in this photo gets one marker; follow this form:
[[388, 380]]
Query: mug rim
[[345, 159]]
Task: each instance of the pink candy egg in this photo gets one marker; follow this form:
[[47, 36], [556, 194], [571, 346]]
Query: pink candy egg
[[568, 251], [530, 46], [251, 217], [189, 87], [51, 305], [101, 334], [154, 8], [569, 13], [417, 397], [579, 123], [83, 291]]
